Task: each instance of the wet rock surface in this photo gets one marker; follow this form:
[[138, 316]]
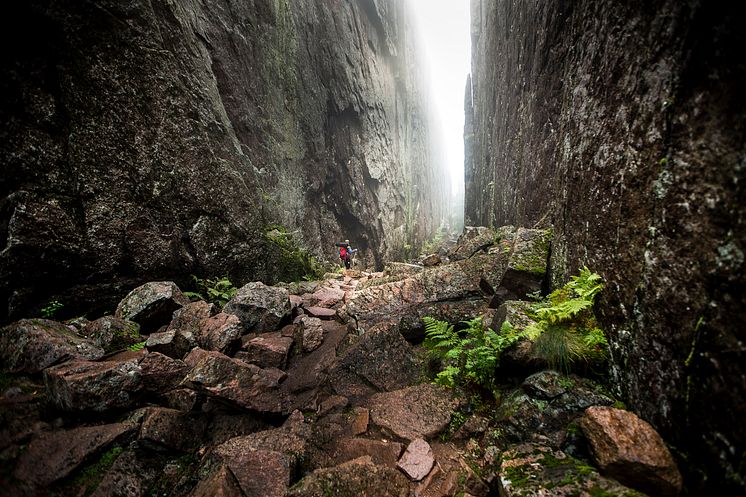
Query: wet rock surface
[[380, 360], [675, 258], [173, 429], [134, 157], [306, 408]]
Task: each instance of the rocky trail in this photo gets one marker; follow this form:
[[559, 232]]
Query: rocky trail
[[314, 389]]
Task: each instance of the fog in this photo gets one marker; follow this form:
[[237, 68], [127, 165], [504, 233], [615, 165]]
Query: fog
[[443, 32]]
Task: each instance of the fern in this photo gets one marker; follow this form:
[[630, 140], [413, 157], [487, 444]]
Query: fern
[[439, 337], [136, 347], [566, 330], [470, 355], [218, 291]]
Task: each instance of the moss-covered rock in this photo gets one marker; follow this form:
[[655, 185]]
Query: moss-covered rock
[[113, 334], [527, 413], [31, 345], [532, 469]]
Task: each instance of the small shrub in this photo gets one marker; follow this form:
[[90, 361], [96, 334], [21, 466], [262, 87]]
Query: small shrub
[[49, 310], [218, 290]]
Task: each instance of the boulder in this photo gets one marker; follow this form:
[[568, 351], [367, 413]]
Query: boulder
[[412, 327], [527, 266], [474, 425], [151, 305], [295, 301], [268, 350], [263, 462], [113, 334], [221, 482], [420, 411], [170, 342], [308, 372], [483, 271], [380, 360], [195, 355], [221, 332], [31, 345], [161, 373], [95, 386], [451, 475], [326, 297], [321, 312], [78, 324], [628, 449], [546, 385], [54, 455], [242, 384], [174, 429], [417, 460], [189, 320], [431, 260], [129, 476], [473, 239], [401, 268], [311, 333], [521, 417], [533, 469], [259, 307], [445, 283], [224, 427], [359, 478], [334, 403], [361, 417], [381, 452], [182, 399]]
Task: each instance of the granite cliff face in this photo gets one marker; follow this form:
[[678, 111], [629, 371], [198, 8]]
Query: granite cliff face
[[622, 124], [150, 140]]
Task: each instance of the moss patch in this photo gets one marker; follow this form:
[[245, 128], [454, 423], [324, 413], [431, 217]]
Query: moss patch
[[90, 477]]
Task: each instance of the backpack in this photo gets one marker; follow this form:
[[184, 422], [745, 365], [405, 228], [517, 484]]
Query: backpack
[[342, 252]]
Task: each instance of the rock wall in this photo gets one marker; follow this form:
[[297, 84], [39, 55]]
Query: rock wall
[[147, 140], [623, 124]]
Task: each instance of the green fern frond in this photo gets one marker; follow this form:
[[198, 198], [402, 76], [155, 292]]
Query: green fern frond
[[136, 347]]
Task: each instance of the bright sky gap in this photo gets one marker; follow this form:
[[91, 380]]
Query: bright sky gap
[[443, 28]]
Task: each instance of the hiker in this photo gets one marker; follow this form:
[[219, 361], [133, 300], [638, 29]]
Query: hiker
[[345, 253]]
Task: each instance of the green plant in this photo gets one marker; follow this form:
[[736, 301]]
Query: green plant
[[470, 355], [295, 263], [49, 310], [89, 478], [136, 347], [218, 290], [432, 245], [566, 331]]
